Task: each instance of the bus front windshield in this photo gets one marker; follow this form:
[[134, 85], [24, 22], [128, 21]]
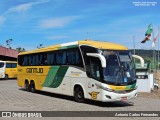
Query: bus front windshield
[[119, 68], [1, 64]]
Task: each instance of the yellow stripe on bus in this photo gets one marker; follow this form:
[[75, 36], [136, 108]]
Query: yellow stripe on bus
[[117, 87]]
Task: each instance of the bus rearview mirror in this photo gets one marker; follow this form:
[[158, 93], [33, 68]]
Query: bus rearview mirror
[[140, 58], [101, 57]]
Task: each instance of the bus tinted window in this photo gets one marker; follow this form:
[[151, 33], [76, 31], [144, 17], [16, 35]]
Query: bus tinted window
[[78, 61], [74, 57], [11, 65], [14, 65], [26, 60], [50, 58], [30, 60], [1, 64], [42, 59], [61, 57], [33, 59], [8, 65], [36, 59], [71, 57], [64, 58]]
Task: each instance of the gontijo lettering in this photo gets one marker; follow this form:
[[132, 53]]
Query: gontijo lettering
[[34, 70]]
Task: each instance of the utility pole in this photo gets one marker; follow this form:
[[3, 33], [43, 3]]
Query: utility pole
[[87, 36], [158, 47], [134, 44], [134, 51]]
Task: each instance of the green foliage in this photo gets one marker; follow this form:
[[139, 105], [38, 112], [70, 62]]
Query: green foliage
[[19, 49], [147, 55]]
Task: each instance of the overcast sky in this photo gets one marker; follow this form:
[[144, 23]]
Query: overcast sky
[[49, 22]]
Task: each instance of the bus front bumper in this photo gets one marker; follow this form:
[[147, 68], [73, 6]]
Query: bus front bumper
[[2, 75], [112, 96]]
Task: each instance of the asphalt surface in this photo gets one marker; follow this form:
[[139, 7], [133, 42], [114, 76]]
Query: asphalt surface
[[14, 98]]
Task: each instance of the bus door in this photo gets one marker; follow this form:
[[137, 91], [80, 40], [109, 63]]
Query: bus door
[[94, 72]]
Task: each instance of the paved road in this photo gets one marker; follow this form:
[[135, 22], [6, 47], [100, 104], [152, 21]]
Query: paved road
[[13, 98]]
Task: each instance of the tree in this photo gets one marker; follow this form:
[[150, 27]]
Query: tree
[[20, 49], [8, 42], [40, 46]]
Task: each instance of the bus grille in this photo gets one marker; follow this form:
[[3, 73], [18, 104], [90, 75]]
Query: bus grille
[[123, 91]]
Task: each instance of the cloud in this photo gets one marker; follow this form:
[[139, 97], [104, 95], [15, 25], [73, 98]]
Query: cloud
[[25, 7], [2, 19], [57, 37], [58, 22]]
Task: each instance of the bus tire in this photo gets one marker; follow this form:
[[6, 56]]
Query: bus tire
[[32, 87], [6, 77], [27, 86], [79, 94]]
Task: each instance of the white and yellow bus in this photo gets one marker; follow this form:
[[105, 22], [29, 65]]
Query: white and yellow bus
[[86, 69], [8, 69]]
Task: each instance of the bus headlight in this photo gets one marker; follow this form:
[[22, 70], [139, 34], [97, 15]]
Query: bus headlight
[[104, 88]]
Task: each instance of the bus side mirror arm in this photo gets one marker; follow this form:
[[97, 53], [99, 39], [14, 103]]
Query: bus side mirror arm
[[140, 58], [101, 57]]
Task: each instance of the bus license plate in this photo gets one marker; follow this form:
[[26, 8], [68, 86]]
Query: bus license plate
[[123, 98]]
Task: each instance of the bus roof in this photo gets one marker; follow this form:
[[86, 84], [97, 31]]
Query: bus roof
[[97, 44], [103, 45]]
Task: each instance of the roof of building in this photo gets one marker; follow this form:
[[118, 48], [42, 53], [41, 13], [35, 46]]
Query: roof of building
[[8, 52]]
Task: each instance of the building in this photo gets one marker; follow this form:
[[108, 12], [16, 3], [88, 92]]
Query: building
[[8, 54]]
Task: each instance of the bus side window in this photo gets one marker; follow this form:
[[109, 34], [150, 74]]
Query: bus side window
[[44, 59], [25, 60], [58, 58], [74, 57], [40, 59], [30, 60], [33, 59], [1, 64], [71, 57], [61, 57], [78, 61], [14, 65], [8, 65], [50, 58], [64, 58], [36, 59]]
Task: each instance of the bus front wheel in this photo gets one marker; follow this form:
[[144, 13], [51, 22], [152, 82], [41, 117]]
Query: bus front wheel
[[79, 95]]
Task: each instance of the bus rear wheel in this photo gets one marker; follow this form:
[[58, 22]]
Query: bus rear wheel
[[79, 95], [32, 87], [27, 86]]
